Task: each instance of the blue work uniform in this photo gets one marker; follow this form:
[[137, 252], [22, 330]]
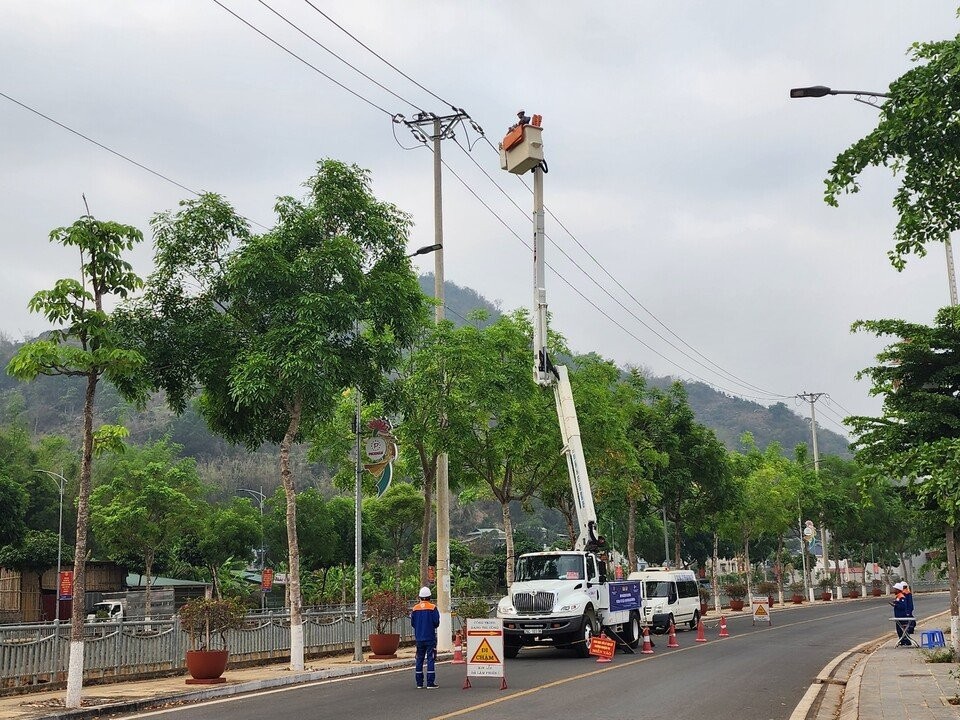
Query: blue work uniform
[[425, 619], [900, 611], [908, 598]]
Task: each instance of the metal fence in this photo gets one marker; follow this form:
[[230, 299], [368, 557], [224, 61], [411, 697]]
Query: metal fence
[[36, 654]]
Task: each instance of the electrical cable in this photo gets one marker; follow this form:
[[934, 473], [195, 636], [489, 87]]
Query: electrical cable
[[379, 56], [338, 57], [305, 62], [593, 304], [115, 152], [722, 371], [837, 403], [745, 385]]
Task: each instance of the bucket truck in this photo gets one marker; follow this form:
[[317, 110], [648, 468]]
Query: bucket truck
[[560, 598]]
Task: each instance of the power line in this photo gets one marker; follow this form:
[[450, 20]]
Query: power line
[[115, 152], [589, 276], [379, 56], [720, 370], [305, 62], [338, 57], [593, 304]]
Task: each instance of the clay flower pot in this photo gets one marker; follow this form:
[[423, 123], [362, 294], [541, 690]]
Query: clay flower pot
[[384, 645], [206, 666], [736, 605]]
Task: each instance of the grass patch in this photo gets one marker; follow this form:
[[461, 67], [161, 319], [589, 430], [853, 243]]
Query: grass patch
[[939, 655]]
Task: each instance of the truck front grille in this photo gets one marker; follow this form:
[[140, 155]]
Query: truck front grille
[[533, 602]]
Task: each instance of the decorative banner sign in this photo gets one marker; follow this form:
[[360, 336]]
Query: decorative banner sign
[[603, 646], [65, 585], [381, 448], [761, 611], [266, 580], [484, 647], [376, 448]]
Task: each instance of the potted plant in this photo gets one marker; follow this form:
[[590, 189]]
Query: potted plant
[[797, 589], [385, 607], [853, 588], [825, 584], [704, 600], [202, 619], [471, 608], [736, 591], [876, 588], [767, 588]]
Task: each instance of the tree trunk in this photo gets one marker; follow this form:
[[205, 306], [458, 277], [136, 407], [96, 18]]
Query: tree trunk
[[676, 545], [78, 613], [429, 478], [713, 571], [746, 562], [836, 556], [508, 531], [631, 535], [779, 574], [148, 567], [954, 590], [293, 574]]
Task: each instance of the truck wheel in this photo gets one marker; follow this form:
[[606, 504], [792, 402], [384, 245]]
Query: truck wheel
[[587, 631], [510, 651], [695, 620], [631, 631]]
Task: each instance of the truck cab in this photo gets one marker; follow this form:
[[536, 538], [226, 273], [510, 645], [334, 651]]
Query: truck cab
[[106, 610]]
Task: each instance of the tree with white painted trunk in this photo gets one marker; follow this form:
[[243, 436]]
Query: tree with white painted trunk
[[85, 344], [271, 328]]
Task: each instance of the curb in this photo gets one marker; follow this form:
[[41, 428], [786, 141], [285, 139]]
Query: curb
[[230, 690]]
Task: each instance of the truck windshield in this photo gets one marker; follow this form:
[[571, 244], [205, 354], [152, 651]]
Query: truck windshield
[[550, 567]]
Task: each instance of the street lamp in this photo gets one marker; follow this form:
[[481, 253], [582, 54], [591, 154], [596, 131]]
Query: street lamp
[[258, 494], [817, 91], [426, 249], [61, 481]]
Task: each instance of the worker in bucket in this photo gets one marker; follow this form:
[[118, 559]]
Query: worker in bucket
[[425, 619]]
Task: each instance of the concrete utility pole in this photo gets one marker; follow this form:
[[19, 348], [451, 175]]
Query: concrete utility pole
[[358, 540], [812, 399], [441, 128]]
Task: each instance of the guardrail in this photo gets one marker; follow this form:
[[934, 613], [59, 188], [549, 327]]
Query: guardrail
[[36, 654]]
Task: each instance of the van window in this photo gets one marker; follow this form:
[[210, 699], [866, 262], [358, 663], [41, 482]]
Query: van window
[[688, 588], [657, 589]]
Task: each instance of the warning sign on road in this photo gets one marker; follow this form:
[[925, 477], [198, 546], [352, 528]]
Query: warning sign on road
[[761, 610], [602, 646], [484, 647]]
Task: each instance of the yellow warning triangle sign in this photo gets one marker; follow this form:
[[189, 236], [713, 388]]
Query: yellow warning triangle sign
[[760, 610], [485, 654]]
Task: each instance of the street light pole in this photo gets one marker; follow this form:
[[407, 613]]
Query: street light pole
[[61, 481], [817, 91], [260, 499]]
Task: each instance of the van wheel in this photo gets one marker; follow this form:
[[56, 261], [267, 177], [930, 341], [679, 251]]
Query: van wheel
[[694, 621], [587, 632], [631, 631]]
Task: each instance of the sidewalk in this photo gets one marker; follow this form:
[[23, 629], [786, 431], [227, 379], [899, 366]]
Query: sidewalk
[[99, 700], [895, 683]]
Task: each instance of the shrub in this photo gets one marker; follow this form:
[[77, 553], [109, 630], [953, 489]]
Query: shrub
[[472, 608], [385, 608], [797, 587], [735, 591], [767, 587], [201, 617], [938, 655]]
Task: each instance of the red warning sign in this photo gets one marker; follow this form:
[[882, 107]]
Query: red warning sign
[[485, 654], [602, 646]]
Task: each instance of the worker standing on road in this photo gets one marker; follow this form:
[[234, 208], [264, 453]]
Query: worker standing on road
[[908, 597], [425, 619]]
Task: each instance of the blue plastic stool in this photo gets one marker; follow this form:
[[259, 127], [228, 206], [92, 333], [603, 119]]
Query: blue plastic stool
[[932, 639]]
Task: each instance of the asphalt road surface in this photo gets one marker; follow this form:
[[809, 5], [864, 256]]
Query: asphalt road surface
[[758, 673]]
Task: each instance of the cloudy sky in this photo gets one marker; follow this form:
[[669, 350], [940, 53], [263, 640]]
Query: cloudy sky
[[676, 158]]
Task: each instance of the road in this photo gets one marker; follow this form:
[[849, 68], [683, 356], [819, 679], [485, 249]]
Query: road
[[758, 673]]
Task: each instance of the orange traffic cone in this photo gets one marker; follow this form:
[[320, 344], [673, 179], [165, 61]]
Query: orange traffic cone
[[723, 627], [458, 651], [701, 637], [603, 658], [672, 643], [647, 646]]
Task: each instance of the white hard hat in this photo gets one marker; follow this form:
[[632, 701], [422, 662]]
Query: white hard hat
[[425, 592], [899, 586]]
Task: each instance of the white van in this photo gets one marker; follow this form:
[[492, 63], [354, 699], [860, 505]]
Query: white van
[[669, 596]]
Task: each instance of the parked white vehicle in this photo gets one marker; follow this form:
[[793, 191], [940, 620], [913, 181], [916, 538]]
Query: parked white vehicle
[[669, 596]]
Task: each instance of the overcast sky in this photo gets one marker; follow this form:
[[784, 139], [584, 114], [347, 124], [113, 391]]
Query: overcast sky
[[676, 157]]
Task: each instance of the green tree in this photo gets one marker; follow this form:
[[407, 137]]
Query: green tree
[[85, 344], [36, 552], [224, 533], [916, 442], [917, 136], [274, 330], [398, 513], [147, 500]]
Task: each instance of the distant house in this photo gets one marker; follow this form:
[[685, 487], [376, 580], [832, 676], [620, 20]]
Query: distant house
[[26, 597]]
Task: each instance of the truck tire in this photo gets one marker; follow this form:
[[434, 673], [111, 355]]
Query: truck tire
[[510, 651], [631, 631], [695, 620], [587, 631]]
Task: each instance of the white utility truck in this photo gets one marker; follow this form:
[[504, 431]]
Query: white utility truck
[[560, 598]]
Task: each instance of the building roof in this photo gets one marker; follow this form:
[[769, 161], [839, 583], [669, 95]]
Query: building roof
[[136, 580]]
